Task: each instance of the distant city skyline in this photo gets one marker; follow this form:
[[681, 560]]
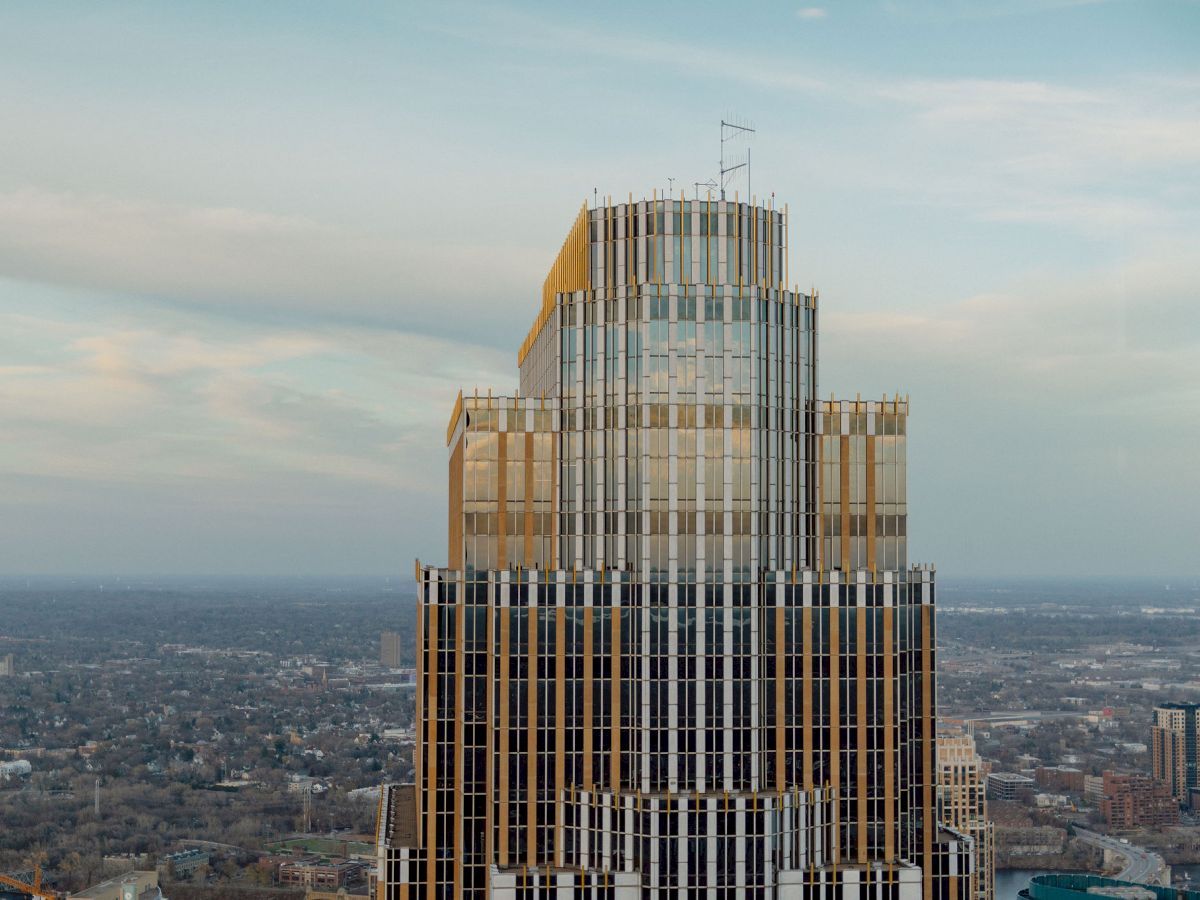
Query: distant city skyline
[[248, 255]]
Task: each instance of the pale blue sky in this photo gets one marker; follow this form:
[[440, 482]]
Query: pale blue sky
[[249, 252]]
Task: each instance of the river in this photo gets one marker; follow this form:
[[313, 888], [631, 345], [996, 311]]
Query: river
[[1193, 870]]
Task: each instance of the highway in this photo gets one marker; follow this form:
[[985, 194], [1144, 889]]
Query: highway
[[1142, 866]]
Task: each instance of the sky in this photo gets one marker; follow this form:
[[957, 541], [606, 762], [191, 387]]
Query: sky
[[249, 253]]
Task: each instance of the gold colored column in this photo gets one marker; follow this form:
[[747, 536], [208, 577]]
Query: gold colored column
[[531, 756], [806, 691], [502, 726], [489, 777], [431, 762], [419, 712], [780, 710], [889, 746], [835, 718], [860, 753], [560, 721], [614, 763], [459, 737], [819, 470], [927, 739], [457, 557], [588, 712]]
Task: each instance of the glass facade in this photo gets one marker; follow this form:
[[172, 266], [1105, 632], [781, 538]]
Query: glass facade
[[678, 650]]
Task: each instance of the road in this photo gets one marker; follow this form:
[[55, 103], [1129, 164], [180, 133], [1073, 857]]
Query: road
[[1142, 866]]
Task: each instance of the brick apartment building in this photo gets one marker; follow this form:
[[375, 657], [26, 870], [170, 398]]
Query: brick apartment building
[[1134, 800]]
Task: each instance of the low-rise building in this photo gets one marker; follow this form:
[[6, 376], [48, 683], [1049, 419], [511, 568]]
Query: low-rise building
[[322, 874], [183, 864], [1134, 800], [1008, 785], [17, 768], [1059, 778]]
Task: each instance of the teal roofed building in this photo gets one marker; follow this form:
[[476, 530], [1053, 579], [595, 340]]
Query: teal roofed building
[[1071, 886]]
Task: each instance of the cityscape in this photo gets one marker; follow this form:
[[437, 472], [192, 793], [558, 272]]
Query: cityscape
[[206, 728], [833, 537]]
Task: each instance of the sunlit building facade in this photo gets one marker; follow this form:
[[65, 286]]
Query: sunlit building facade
[[962, 804], [678, 650]]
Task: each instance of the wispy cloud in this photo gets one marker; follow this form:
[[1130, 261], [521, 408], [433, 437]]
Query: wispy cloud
[[703, 61], [170, 402], [1112, 342], [1093, 160], [251, 259], [967, 10], [811, 12]]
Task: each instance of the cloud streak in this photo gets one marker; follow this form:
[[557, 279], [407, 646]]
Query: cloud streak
[[231, 258]]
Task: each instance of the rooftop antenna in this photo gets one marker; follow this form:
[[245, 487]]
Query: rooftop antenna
[[710, 184], [732, 131]]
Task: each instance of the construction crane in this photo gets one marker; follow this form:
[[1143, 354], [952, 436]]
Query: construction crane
[[33, 890]]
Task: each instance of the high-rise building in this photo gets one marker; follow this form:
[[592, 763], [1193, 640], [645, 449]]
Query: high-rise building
[[962, 803], [678, 650], [8, 666], [1174, 749], [389, 649]]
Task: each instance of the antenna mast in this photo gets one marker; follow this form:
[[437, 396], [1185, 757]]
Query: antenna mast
[[729, 132]]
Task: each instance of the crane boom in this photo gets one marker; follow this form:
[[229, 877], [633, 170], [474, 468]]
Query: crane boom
[[33, 890]]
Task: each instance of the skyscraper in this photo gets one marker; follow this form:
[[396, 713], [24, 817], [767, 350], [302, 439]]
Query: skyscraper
[[389, 649], [962, 803], [1174, 748], [678, 650]]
